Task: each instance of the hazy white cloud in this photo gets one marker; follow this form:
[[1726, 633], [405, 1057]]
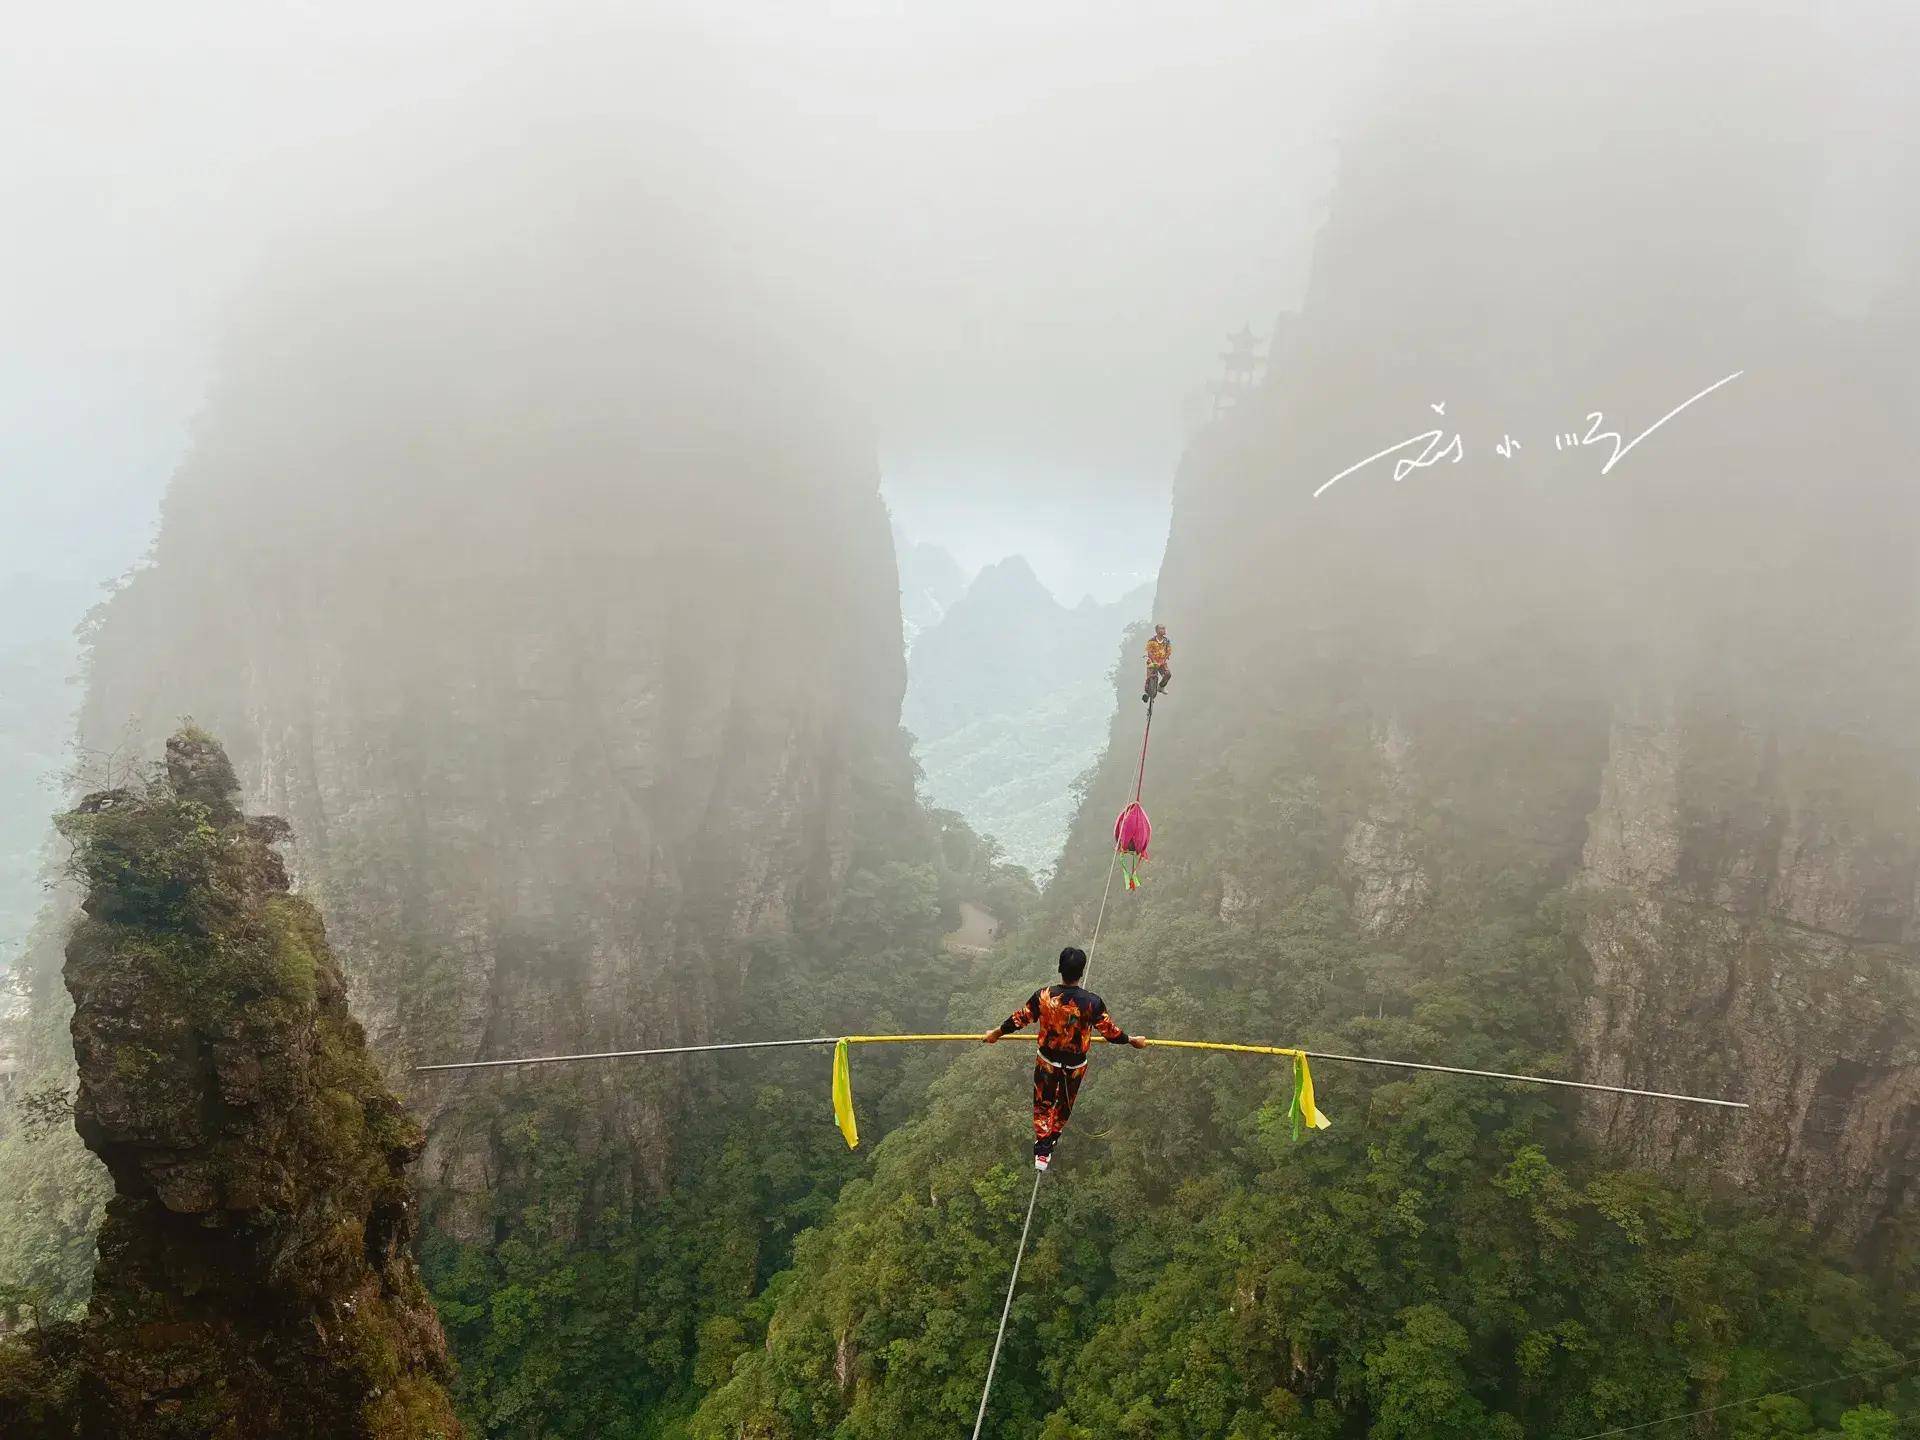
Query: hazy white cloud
[[1015, 230]]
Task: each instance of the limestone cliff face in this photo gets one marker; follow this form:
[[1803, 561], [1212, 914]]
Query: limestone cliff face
[[1676, 692], [256, 1274], [566, 661], [1752, 922]]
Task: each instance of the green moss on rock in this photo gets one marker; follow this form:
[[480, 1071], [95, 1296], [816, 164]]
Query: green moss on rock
[[255, 1274]]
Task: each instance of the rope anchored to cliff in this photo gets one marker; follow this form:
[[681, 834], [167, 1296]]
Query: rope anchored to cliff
[[1006, 1308], [1133, 831], [1304, 1111], [840, 1042], [1753, 1399]]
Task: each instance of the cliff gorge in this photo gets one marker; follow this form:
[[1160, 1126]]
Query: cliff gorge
[[1007, 700], [1676, 685], [565, 681], [561, 622], [256, 1273], [1529, 762]]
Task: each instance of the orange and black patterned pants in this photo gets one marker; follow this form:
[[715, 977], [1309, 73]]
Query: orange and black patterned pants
[[1054, 1091]]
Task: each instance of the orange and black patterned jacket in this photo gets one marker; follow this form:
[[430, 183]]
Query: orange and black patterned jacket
[[1159, 651], [1068, 1016]]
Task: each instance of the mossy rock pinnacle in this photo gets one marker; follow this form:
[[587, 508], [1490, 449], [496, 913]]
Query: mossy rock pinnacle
[[256, 1274]]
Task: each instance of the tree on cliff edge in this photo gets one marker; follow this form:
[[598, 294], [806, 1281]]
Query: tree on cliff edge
[[255, 1274]]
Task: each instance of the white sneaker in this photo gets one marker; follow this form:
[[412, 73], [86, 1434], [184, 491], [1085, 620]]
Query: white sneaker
[[1040, 1161]]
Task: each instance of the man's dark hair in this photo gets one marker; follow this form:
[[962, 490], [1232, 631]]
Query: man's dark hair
[[1073, 964]]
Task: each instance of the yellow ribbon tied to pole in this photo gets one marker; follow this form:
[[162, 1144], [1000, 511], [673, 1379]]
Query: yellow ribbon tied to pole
[[843, 1096], [1303, 1112], [843, 1075]]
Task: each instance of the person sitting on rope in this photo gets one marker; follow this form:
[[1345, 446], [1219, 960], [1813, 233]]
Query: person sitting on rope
[[1068, 1017], [1159, 652]]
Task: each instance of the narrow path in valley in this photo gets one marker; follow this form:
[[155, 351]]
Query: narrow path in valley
[[978, 930]]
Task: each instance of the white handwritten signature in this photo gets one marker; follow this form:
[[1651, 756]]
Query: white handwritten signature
[[1436, 448]]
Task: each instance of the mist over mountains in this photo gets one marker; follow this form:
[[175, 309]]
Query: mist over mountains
[[39, 656], [1008, 694], [930, 581], [531, 564]]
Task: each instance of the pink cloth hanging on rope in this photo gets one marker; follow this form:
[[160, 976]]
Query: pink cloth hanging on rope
[[1132, 833]]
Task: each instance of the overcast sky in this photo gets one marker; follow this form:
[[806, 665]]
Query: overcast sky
[[1025, 226]]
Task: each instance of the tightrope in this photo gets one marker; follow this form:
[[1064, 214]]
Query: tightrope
[[1139, 783], [1093, 948], [1094, 944], [1013, 1280], [1152, 1044], [1751, 1400], [1140, 780], [633, 1054], [1007, 1308]]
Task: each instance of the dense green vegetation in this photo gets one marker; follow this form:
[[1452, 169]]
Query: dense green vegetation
[[55, 1189], [578, 1311], [1008, 698], [257, 1273], [1447, 1261]]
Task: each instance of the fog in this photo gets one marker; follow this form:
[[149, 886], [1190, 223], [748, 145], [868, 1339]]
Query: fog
[[501, 426], [1001, 243], [1017, 233]]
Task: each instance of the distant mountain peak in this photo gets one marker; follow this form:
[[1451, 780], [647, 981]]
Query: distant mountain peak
[[1010, 567], [1011, 579], [1008, 698]]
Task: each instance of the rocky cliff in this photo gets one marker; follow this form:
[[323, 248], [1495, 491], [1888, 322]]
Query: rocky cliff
[[1531, 760], [561, 622], [1675, 685], [930, 581], [1751, 918], [256, 1273], [564, 680]]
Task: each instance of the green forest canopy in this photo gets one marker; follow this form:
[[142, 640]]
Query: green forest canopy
[[1450, 1260]]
